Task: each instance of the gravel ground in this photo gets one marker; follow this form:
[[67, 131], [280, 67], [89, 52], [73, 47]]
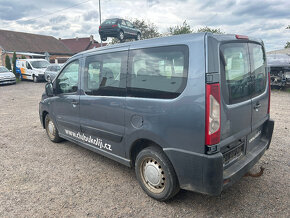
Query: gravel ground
[[39, 178]]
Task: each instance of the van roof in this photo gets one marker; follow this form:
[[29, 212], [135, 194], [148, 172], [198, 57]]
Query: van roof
[[176, 39]]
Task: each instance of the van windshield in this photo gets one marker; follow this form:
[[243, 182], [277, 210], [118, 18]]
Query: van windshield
[[243, 71], [3, 70], [39, 64]]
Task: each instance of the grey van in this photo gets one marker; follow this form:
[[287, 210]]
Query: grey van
[[188, 111]]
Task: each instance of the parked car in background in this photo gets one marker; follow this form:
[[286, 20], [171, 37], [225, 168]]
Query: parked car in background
[[120, 28], [51, 72], [6, 76], [32, 69]]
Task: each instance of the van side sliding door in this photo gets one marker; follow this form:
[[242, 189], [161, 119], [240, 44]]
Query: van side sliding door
[[102, 103]]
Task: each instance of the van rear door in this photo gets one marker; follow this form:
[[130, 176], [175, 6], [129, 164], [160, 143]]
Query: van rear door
[[259, 81], [235, 90], [244, 92]]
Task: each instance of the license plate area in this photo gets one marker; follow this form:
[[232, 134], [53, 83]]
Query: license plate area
[[233, 154]]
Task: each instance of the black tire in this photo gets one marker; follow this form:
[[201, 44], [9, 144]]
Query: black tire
[[121, 36], [51, 130], [35, 79], [160, 170], [48, 79], [104, 38], [138, 37]]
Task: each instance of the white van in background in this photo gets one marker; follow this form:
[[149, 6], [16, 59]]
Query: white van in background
[[32, 69]]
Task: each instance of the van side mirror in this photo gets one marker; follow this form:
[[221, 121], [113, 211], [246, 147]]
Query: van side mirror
[[49, 89]]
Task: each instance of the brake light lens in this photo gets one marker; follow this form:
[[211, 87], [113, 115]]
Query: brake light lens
[[269, 99], [115, 25], [241, 37], [213, 118], [100, 27]]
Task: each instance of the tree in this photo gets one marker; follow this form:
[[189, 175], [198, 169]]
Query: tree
[[287, 43], [148, 30], [7, 62], [211, 30], [23, 57], [183, 29], [14, 63]]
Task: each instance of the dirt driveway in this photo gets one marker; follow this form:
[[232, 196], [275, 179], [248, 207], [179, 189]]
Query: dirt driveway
[[39, 178]]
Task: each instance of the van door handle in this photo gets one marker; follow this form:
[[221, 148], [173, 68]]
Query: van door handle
[[257, 106], [75, 103]]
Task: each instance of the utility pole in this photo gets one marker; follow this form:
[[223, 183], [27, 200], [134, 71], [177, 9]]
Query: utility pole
[[100, 20]]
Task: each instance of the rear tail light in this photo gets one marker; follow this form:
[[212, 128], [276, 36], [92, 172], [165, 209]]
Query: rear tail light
[[115, 25], [213, 117], [99, 27], [269, 99]]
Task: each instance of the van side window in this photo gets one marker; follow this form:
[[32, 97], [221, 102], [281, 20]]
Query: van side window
[[258, 68], [105, 74], [159, 72], [235, 72], [67, 81]]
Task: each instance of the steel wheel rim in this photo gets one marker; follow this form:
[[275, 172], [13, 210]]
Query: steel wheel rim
[[51, 129], [152, 174], [121, 35]]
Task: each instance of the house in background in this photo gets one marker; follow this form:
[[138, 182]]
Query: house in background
[[77, 45], [32, 46]]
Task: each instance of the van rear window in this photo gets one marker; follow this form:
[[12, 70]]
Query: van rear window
[[236, 74], [243, 71], [158, 72]]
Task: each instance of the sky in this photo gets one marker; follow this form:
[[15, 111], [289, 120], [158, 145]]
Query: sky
[[265, 19]]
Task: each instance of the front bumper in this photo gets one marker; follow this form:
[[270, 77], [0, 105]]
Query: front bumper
[[8, 81], [40, 76], [206, 174]]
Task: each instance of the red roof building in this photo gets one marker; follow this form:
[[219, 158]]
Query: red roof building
[[77, 45]]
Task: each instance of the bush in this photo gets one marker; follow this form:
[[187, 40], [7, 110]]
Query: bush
[[14, 63], [7, 62]]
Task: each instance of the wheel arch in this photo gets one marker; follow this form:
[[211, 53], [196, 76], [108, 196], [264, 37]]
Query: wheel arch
[[44, 113], [138, 145]]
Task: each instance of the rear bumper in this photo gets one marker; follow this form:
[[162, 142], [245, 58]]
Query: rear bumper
[[109, 32], [206, 174]]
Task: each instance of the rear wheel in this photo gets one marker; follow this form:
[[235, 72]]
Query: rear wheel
[[104, 38], [156, 174], [51, 130], [121, 36], [138, 37]]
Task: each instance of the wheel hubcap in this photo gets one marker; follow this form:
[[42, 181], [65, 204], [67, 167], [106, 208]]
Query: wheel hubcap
[[50, 128], [153, 175], [121, 35]]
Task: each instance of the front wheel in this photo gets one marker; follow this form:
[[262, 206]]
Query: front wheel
[[156, 174], [48, 79], [51, 130], [35, 79]]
